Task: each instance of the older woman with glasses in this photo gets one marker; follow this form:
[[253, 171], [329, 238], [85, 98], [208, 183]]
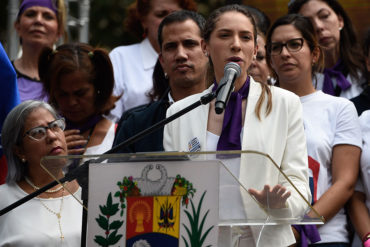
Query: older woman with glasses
[[331, 126], [31, 131]]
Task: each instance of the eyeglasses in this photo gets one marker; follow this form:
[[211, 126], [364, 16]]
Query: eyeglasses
[[292, 45], [39, 133]]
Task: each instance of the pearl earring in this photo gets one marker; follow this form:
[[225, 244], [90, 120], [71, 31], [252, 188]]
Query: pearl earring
[[340, 28], [206, 54], [23, 160], [165, 75]]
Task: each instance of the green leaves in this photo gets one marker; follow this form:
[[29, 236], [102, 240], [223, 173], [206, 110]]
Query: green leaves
[[128, 187], [110, 229], [116, 224], [195, 233], [102, 222]]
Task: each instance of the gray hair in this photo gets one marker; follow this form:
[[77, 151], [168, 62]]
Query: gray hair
[[11, 136]]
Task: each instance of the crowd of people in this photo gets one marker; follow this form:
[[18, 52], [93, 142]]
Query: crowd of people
[[302, 97]]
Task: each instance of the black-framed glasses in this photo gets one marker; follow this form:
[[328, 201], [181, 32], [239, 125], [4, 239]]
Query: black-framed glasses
[[292, 45], [39, 133]]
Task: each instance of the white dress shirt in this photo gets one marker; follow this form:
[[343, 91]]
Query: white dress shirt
[[133, 67]]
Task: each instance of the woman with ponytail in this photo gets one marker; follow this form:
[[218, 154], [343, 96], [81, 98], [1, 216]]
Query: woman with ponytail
[[79, 82], [257, 117]]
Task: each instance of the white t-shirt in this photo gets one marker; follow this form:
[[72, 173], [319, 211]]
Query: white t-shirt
[[105, 145], [133, 67], [350, 93], [31, 224], [365, 156], [328, 121]]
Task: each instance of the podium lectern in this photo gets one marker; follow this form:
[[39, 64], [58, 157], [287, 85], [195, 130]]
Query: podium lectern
[[224, 198]]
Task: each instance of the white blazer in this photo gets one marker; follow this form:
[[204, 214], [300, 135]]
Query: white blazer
[[280, 134]]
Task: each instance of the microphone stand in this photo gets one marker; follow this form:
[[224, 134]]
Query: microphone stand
[[81, 172]]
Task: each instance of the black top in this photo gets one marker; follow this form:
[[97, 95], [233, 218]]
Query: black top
[[362, 102], [138, 120]]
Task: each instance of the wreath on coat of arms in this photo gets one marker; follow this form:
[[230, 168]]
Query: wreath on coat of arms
[[163, 195]]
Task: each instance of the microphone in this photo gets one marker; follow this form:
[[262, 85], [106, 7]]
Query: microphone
[[226, 86]]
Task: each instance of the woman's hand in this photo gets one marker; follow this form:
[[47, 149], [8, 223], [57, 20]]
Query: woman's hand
[[271, 198], [75, 142]]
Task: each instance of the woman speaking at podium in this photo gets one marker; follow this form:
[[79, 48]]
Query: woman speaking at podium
[[257, 117]]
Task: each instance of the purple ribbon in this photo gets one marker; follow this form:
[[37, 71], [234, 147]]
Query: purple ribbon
[[307, 232], [232, 123], [336, 72], [43, 3]]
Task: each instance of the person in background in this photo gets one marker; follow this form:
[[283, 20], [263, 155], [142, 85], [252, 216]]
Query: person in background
[[133, 65], [359, 204], [331, 125], [344, 73], [259, 69], [39, 24], [9, 97], [362, 102], [183, 74], [261, 19], [31, 131], [79, 81], [257, 117]]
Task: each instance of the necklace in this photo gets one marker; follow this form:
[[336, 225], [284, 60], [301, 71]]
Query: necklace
[[57, 214], [37, 188]]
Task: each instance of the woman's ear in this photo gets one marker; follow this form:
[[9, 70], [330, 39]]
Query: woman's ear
[[341, 22], [255, 50], [316, 54], [204, 47], [19, 152], [17, 26]]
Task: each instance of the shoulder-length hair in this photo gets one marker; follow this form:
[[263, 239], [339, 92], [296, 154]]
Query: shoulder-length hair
[[349, 48], [12, 133], [305, 27]]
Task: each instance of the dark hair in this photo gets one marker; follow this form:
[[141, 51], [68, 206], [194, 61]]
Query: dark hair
[[140, 8], [209, 28], [181, 16], [305, 27], [366, 44], [161, 84], [261, 19], [350, 51], [69, 58], [366, 47]]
